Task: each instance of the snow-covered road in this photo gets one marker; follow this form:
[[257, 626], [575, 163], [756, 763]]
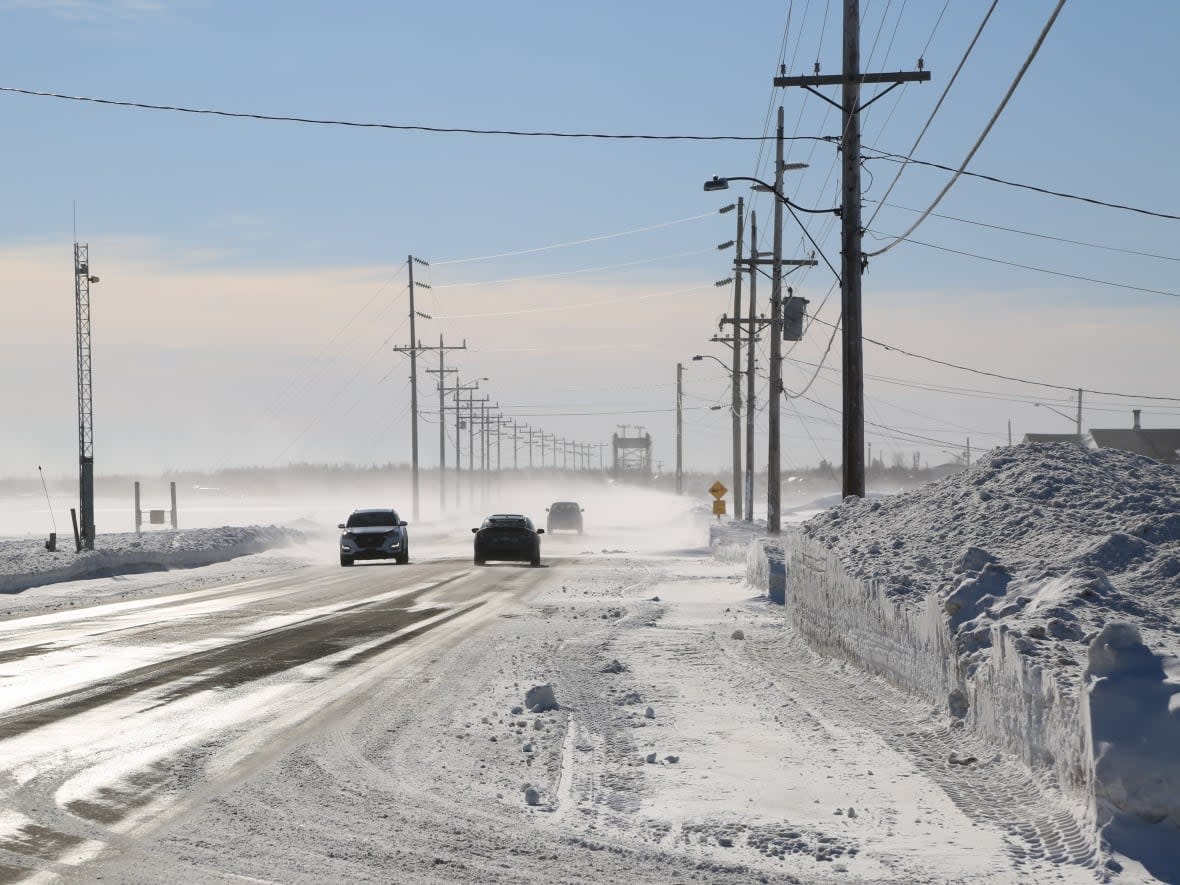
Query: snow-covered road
[[368, 724]]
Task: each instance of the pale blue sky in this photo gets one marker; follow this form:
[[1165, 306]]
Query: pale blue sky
[[191, 217]]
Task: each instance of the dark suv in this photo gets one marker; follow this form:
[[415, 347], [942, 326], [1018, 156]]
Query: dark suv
[[374, 534], [565, 515], [508, 536]]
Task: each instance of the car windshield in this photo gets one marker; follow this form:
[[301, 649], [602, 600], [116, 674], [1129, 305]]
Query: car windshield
[[564, 505], [507, 520], [371, 518]]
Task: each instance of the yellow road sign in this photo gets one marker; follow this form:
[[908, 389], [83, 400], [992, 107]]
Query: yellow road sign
[[719, 506], [717, 490]]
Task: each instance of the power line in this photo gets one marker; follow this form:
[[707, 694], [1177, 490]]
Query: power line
[[906, 435], [1030, 233], [899, 158], [583, 304], [623, 233], [949, 365], [823, 359], [566, 273], [1044, 270], [983, 135], [399, 127], [937, 105]]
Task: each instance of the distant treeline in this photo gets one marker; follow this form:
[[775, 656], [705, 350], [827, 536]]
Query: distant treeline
[[803, 482]]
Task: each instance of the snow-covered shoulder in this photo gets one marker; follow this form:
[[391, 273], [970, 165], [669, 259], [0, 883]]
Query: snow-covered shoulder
[[25, 563], [1036, 593]]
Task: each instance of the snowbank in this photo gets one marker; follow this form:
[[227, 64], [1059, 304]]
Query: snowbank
[[1033, 598], [26, 563]]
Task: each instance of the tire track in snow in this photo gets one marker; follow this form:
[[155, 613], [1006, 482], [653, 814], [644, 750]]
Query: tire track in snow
[[1038, 825]]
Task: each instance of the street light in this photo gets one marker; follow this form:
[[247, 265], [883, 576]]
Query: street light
[[707, 356], [1069, 418], [1075, 420], [717, 183]]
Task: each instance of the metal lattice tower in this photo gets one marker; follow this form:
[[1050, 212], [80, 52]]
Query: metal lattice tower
[[82, 281]]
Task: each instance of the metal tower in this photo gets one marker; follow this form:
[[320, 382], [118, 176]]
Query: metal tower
[[82, 281]]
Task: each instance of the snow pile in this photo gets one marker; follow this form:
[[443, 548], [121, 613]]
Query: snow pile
[[26, 563], [996, 591]]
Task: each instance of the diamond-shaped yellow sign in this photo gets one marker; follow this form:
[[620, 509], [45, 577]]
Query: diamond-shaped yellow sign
[[717, 490]]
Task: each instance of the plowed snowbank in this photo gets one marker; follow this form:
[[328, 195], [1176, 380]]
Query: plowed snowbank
[[1034, 598], [25, 564]]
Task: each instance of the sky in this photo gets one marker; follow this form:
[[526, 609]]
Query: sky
[[252, 273]]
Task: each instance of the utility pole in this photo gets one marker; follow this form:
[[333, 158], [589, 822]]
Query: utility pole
[[751, 337], [679, 429], [775, 323], [456, 390], [1079, 416], [852, 256], [442, 371], [412, 350], [82, 281], [773, 482], [736, 375]]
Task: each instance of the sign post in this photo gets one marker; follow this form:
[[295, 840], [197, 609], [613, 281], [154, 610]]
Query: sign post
[[718, 490]]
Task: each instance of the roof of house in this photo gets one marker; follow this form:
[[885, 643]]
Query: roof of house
[[1162, 444], [1050, 438]]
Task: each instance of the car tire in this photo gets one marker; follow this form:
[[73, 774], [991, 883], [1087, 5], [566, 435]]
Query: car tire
[[345, 560], [479, 560], [403, 557], [536, 559]]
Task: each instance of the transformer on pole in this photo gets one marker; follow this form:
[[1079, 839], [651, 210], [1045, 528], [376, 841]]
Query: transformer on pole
[[82, 281]]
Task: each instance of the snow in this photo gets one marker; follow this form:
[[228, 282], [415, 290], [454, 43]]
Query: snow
[[1032, 597], [25, 563], [690, 731]]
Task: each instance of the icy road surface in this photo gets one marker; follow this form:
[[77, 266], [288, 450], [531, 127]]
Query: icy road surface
[[364, 725]]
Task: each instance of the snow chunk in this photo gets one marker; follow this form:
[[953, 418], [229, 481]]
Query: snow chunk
[[540, 698], [1134, 706]]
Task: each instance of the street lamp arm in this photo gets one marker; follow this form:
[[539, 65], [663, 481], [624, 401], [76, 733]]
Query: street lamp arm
[[704, 356], [717, 183], [1069, 418]]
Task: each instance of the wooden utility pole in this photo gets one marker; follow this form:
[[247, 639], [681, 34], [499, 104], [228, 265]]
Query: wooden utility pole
[[751, 338], [458, 405], [773, 482], [852, 256], [413, 349], [442, 371], [735, 408], [679, 429]]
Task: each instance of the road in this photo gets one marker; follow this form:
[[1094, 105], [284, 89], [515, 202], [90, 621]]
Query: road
[[366, 725], [111, 716]]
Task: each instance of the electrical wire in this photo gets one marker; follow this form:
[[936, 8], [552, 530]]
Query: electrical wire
[[581, 270], [937, 106], [582, 242], [578, 306], [1044, 270], [899, 158], [399, 127], [1030, 233], [983, 135], [823, 359], [1003, 377]]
